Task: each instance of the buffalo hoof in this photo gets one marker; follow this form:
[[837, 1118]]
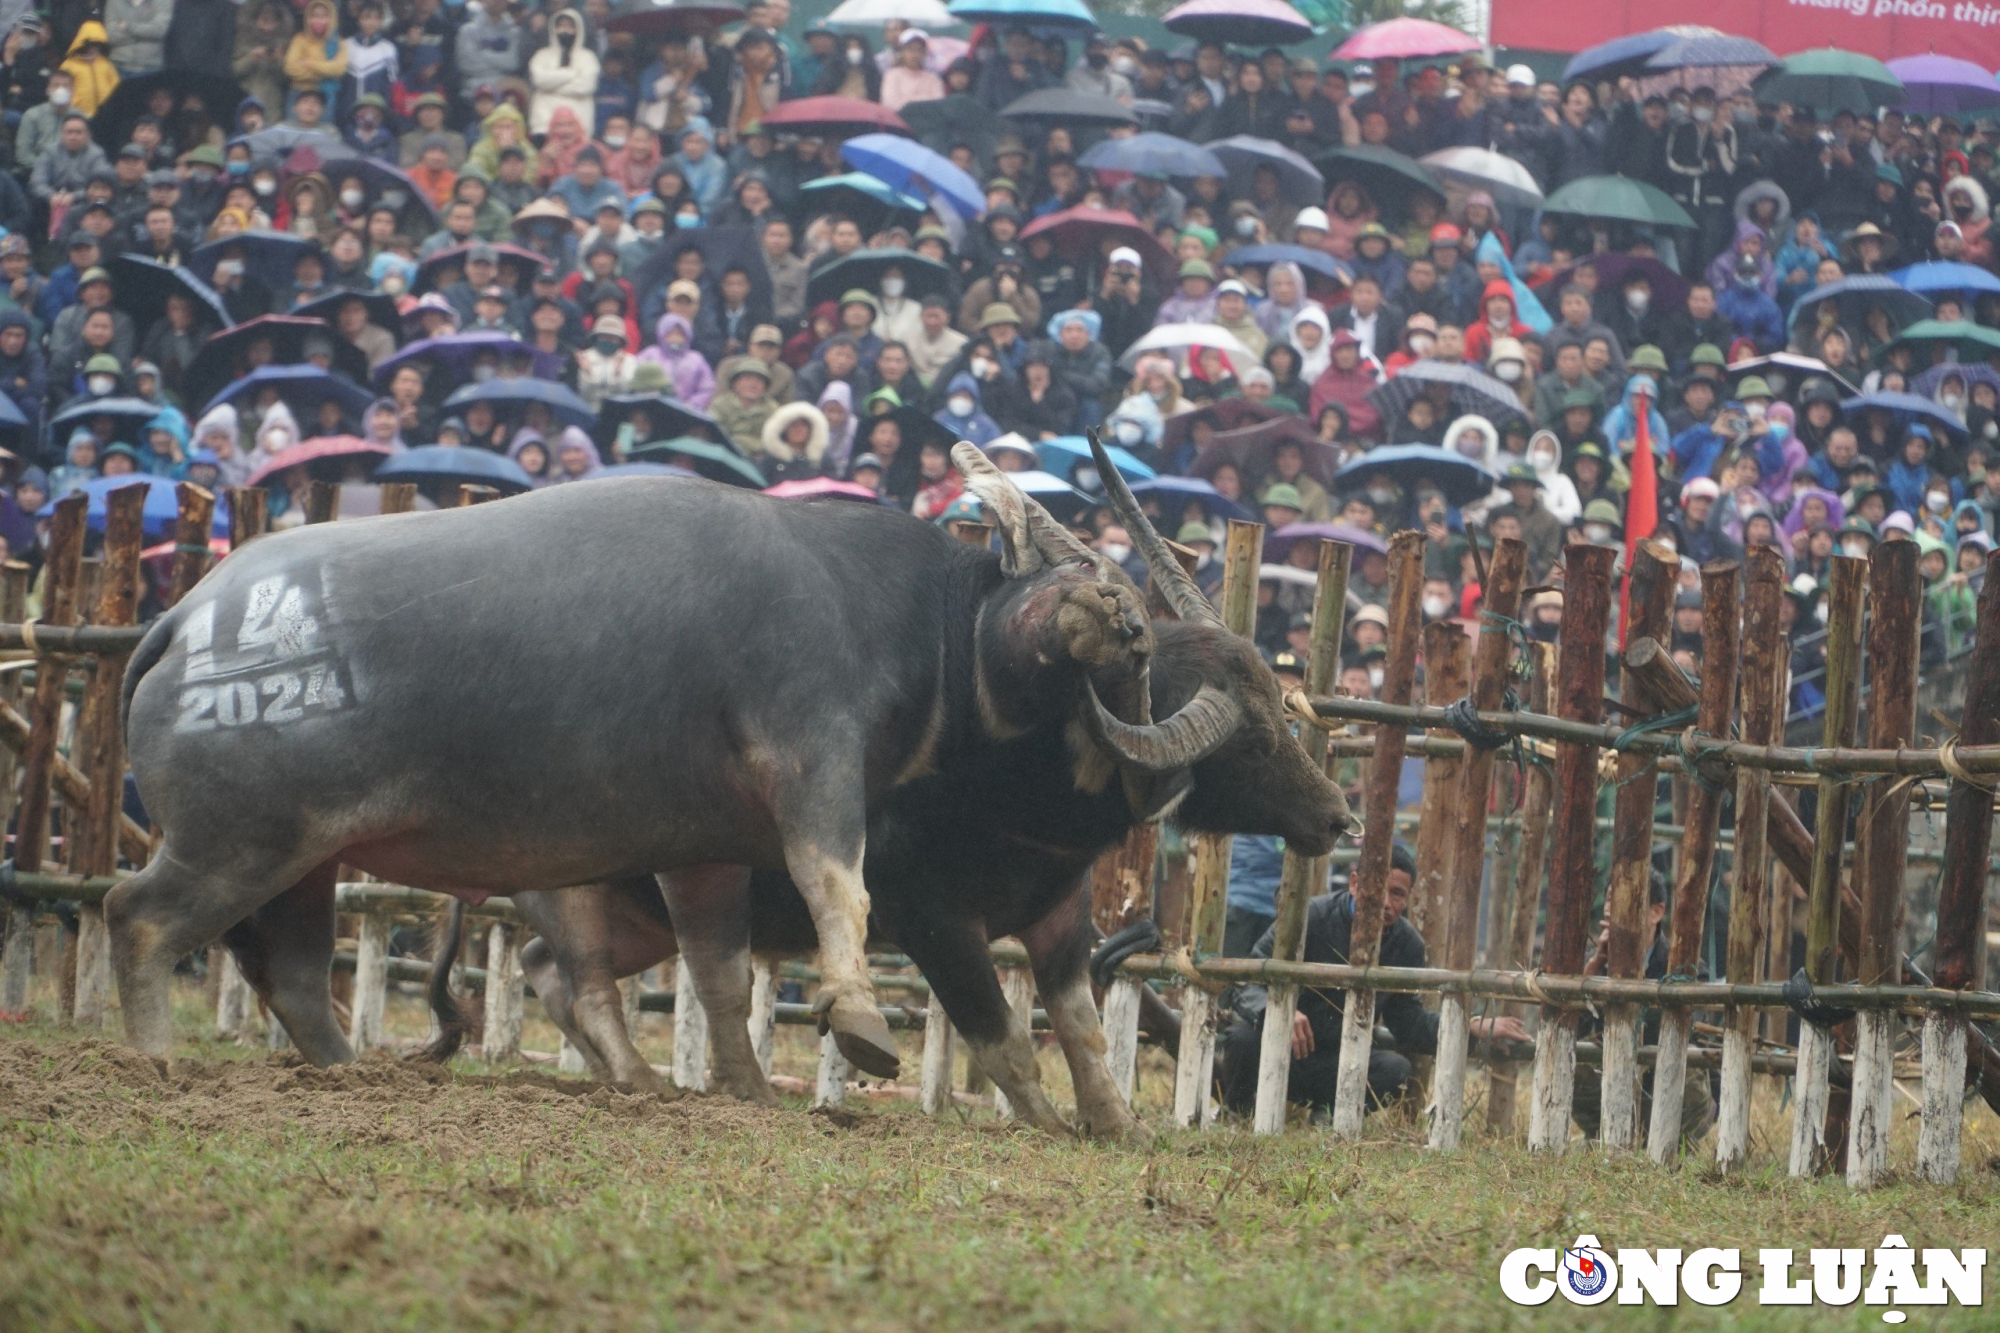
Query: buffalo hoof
[[1126, 1129], [860, 1034]]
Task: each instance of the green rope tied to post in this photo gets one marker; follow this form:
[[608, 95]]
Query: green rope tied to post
[[1664, 722]]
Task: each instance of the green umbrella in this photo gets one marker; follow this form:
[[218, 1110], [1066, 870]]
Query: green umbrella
[[1618, 199], [1829, 80], [1386, 174], [1974, 342], [717, 462]]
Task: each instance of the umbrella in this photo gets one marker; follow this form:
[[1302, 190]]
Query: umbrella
[[111, 124], [864, 269], [925, 14], [516, 394], [717, 462], [446, 465], [1784, 370], [1459, 478], [221, 358], [299, 387], [1385, 173], [1069, 108], [1065, 503], [1154, 152], [1501, 176], [1473, 392], [950, 121], [1063, 455], [1862, 292], [1174, 493], [813, 487], [870, 202], [1226, 414], [1621, 57], [1026, 13], [1239, 22], [279, 140], [1179, 337], [834, 116], [722, 248], [1709, 49], [1299, 181], [1316, 263], [382, 312], [1945, 85], [269, 256], [641, 470], [128, 415], [1405, 39], [1970, 341], [669, 419], [900, 162], [1670, 289], [454, 353], [1945, 276], [1618, 199], [1250, 448], [1086, 232], [378, 178], [1972, 372], [918, 427], [673, 18], [527, 260], [1279, 544], [1904, 405], [143, 286], [160, 513], [1829, 79], [314, 449]]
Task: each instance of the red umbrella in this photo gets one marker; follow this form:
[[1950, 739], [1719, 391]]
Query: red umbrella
[[1405, 39], [1085, 232], [833, 115], [805, 490], [1250, 448], [318, 447]]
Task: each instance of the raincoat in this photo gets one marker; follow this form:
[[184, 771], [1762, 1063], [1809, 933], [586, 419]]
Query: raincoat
[[693, 381]]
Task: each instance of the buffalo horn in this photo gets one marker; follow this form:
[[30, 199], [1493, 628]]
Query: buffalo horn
[[1180, 590], [1029, 534], [1186, 738]]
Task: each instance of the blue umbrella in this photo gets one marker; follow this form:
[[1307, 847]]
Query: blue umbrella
[[1177, 491], [161, 512], [897, 161], [129, 416], [1063, 456], [1905, 405], [1026, 13], [1970, 372], [455, 352], [1944, 276], [1620, 56], [269, 256], [447, 464], [1152, 151], [1855, 295], [1314, 262], [1710, 50], [301, 385], [506, 394], [1459, 478], [878, 193], [10, 415], [1063, 501], [279, 140]]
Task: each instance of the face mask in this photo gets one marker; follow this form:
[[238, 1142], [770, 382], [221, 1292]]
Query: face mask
[[688, 221], [102, 384], [1676, 112], [1375, 678], [1637, 300], [1472, 447], [892, 287], [277, 438], [1742, 117], [1130, 433], [1703, 114], [392, 284], [1435, 608], [267, 188], [614, 141], [1246, 226], [1125, 65], [1510, 371], [239, 168], [1598, 534], [855, 55], [202, 175], [1756, 410], [607, 346], [981, 368], [1937, 503], [1116, 552], [1953, 401], [1819, 613], [59, 96], [351, 198], [1382, 495], [228, 268], [960, 405], [1859, 550], [482, 373]]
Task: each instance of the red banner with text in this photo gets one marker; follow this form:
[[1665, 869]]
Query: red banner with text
[[1885, 29]]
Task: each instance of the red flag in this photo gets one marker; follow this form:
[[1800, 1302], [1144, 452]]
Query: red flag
[[1642, 502]]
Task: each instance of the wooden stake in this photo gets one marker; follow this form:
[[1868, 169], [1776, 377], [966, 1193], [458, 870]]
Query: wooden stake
[[763, 1020], [249, 515], [1371, 872], [398, 497], [192, 526], [1521, 906], [691, 1032], [470, 494], [1194, 1072], [830, 1082], [1019, 985], [18, 960], [322, 501], [1882, 847], [1761, 692], [1573, 831], [934, 1088], [1721, 631], [1447, 668], [1302, 876], [371, 984], [62, 574], [505, 993]]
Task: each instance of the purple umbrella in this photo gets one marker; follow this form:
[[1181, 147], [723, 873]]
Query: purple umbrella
[[456, 350], [1945, 85], [1279, 544], [1242, 22]]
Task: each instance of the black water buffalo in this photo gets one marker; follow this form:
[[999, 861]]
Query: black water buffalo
[[573, 685]]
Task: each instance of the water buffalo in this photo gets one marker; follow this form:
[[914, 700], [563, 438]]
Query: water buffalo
[[573, 685]]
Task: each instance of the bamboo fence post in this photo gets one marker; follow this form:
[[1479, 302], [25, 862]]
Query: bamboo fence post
[[101, 746], [1882, 848], [1761, 693], [398, 497], [1371, 872], [934, 1078], [569, 1059], [1194, 1073], [472, 494], [1572, 832], [830, 1081], [1721, 632], [62, 573], [1302, 876], [1650, 587], [371, 982], [764, 1011], [249, 515], [505, 993], [1957, 960], [1447, 657], [1847, 589], [322, 501], [1465, 827], [192, 526], [17, 962], [1523, 891], [1019, 985], [691, 1032]]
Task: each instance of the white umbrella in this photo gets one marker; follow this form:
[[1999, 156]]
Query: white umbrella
[[1180, 337], [1483, 169], [874, 13]]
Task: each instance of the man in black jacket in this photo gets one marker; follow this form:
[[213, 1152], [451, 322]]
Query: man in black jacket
[[1316, 1025]]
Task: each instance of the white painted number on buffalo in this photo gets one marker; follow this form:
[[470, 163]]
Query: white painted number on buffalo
[[281, 671]]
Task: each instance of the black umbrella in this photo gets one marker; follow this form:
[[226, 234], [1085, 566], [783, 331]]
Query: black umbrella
[[528, 262], [1473, 392], [382, 312], [673, 18], [669, 420], [1411, 465], [222, 357], [281, 139], [383, 183], [949, 121], [143, 286], [129, 417], [722, 248], [1069, 108], [864, 269], [111, 124], [269, 256]]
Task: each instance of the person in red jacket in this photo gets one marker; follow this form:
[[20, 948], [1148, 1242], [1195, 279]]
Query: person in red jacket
[[1501, 321], [1347, 380]]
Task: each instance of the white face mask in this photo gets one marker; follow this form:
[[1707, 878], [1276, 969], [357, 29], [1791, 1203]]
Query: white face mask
[[960, 405], [892, 287], [264, 187], [1421, 344], [1596, 533], [855, 55], [102, 384], [614, 141], [1857, 549], [981, 368], [352, 198], [1125, 65], [228, 268], [1509, 372], [1756, 410], [1937, 502], [1704, 114], [1375, 677], [1954, 402], [59, 96], [1115, 552], [277, 438], [1246, 226], [1819, 613], [1637, 300], [1435, 608]]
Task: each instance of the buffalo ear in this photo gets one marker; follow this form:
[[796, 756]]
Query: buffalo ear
[[1148, 794], [1019, 556]]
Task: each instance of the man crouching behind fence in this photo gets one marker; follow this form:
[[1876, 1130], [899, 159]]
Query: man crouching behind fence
[[1316, 1027]]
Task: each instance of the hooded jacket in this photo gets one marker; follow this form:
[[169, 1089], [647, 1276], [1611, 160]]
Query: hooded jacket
[[1314, 363], [1621, 423], [572, 439], [693, 381], [563, 76], [318, 62], [977, 426], [1559, 495], [1722, 269], [782, 461], [95, 79], [524, 438], [1479, 336], [24, 378], [220, 424]]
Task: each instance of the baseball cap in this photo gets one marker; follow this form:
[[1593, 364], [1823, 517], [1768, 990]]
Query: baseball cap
[[1520, 76], [1125, 254]]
